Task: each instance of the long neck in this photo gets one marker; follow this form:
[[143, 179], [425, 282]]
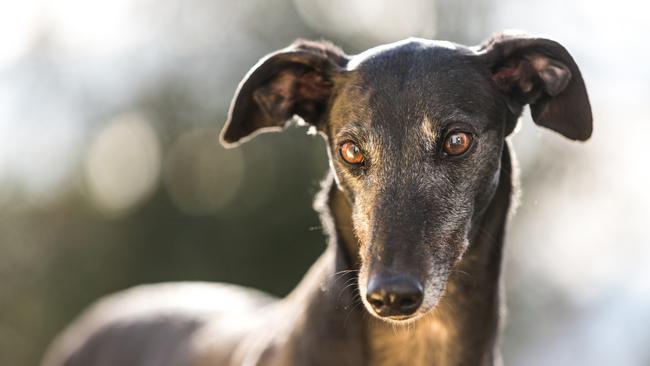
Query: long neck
[[463, 329]]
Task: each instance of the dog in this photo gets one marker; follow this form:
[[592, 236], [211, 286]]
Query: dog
[[415, 206]]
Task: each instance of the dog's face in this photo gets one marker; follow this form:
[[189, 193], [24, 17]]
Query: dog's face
[[415, 138], [415, 132]]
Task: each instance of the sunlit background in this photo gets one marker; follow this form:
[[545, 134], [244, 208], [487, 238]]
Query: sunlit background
[[111, 173]]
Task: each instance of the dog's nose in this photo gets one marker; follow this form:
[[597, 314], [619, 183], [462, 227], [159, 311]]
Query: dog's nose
[[394, 295]]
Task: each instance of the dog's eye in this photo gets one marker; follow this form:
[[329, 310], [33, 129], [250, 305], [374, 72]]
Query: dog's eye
[[456, 143], [351, 153]]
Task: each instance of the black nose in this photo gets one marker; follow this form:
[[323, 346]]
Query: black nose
[[394, 295]]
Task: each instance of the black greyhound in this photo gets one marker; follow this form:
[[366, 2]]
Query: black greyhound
[[415, 206]]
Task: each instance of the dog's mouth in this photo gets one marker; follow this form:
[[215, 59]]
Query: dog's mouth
[[401, 319]]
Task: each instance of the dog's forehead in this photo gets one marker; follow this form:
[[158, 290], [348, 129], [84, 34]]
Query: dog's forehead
[[409, 46], [415, 80]]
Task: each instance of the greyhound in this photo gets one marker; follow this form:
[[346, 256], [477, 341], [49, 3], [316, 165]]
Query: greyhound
[[415, 205]]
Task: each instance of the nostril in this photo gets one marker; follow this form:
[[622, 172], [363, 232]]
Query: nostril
[[376, 303], [407, 302], [376, 299]]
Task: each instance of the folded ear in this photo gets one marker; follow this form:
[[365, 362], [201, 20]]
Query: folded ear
[[541, 73], [297, 80]]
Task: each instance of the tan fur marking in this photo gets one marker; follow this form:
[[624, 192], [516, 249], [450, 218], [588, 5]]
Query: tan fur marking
[[428, 132]]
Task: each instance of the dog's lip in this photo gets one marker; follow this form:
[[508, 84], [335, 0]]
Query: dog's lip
[[399, 318], [402, 317]]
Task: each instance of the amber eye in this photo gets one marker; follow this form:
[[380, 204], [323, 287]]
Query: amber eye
[[457, 143], [351, 153]]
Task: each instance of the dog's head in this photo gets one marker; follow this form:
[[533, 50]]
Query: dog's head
[[415, 131]]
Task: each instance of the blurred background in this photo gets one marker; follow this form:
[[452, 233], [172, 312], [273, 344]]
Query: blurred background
[[111, 173]]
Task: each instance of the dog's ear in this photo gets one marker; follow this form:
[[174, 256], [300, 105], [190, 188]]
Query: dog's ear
[[541, 73], [297, 80]]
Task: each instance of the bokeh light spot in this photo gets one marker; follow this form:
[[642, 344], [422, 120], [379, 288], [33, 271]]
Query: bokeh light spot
[[123, 164], [200, 175]]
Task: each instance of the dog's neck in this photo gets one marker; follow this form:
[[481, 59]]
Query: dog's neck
[[464, 327]]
